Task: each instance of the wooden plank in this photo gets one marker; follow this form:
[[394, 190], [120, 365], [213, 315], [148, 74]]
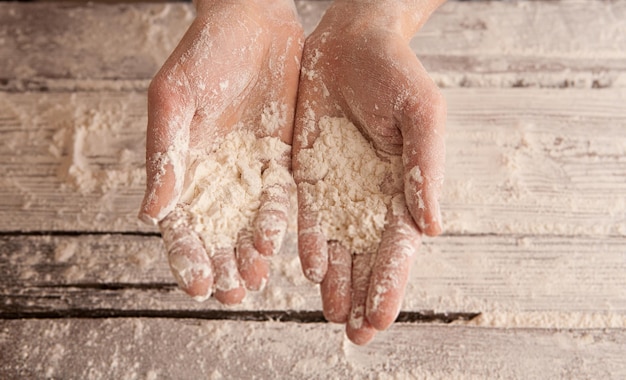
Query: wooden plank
[[186, 349], [44, 45], [525, 43], [124, 273], [519, 161], [535, 43], [87, 147], [515, 281]]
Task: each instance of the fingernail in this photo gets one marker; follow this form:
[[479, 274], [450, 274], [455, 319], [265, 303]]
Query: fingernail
[[356, 318], [439, 218], [376, 299], [314, 274], [421, 223], [188, 272], [202, 298], [262, 285], [437, 221], [147, 219]]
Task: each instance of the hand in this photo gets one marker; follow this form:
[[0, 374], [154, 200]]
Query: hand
[[362, 69], [236, 69]]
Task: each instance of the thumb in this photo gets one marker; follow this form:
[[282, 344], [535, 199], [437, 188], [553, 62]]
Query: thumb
[[423, 155], [167, 143]]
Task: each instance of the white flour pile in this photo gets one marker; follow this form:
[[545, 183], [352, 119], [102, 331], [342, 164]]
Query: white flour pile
[[223, 188], [349, 184]]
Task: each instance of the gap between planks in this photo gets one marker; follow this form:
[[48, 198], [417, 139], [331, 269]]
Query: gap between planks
[[217, 315], [520, 162], [464, 44], [544, 281]]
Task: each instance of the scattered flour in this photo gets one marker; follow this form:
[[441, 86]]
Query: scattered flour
[[349, 185], [96, 154], [222, 192], [550, 319], [64, 251]]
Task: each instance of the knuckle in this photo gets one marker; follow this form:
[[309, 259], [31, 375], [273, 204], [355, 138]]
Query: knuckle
[[165, 92], [430, 107], [436, 99], [156, 88]]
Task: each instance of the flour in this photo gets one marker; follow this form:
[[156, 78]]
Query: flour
[[95, 132], [64, 251], [223, 188], [550, 319], [174, 160], [274, 115], [349, 185]]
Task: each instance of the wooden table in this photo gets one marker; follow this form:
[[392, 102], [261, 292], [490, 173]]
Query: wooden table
[[527, 282]]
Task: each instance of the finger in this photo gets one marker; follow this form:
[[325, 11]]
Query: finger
[[278, 120], [423, 119], [314, 102], [272, 218], [312, 246], [335, 288], [188, 260], [253, 267], [390, 273], [167, 140], [228, 284], [358, 328]]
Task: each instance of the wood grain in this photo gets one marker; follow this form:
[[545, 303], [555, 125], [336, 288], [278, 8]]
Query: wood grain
[[185, 349], [534, 209], [495, 275], [466, 44], [519, 161]]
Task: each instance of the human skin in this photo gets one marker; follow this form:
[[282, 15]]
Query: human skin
[[237, 58], [358, 64]]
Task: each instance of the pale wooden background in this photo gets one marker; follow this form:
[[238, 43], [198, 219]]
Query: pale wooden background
[[527, 281]]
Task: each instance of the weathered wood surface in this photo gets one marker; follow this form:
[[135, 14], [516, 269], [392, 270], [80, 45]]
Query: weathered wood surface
[[498, 276], [534, 209], [519, 161], [533, 43], [188, 349]]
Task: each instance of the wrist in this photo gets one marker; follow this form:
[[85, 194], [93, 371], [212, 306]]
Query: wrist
[[404, 17], [203, 6]]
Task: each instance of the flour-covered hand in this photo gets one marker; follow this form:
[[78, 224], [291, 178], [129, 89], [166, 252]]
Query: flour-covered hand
[[234, 72], [357, 65]]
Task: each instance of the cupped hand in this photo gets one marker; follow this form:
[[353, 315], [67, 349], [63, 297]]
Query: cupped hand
[[235, 71], [358, 65]]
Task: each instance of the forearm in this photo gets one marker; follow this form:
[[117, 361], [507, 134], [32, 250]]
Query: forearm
[[404, 16]]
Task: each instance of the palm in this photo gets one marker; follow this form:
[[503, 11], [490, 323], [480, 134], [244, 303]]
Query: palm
[[222, 79], [373, 79]]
